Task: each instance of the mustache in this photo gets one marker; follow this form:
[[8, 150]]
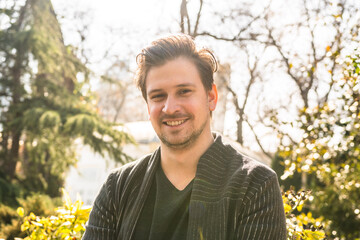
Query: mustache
[[174, 116]]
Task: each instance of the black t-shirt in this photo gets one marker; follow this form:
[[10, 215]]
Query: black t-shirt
[[165, 214]]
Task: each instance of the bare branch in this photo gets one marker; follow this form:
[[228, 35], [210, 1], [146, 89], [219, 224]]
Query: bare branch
[[288, 66], [198, 18], [236, 38], [228, 39], [313, 48], [252, 71], [276, 128], [258, 140]]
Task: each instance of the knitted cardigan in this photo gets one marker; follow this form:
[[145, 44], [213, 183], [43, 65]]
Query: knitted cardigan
[[233, 197]]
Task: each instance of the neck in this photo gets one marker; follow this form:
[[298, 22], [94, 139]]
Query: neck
[[179, 165]]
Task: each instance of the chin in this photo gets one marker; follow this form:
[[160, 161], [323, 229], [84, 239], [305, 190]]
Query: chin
[[178, 143]]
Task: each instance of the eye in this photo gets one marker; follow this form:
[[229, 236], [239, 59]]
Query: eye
[[184, 91], [157, 97]]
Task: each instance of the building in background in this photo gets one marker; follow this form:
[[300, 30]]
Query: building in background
[[92, 169]]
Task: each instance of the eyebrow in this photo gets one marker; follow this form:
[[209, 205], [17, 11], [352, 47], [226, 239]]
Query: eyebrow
[[177, 86], [185, 85]]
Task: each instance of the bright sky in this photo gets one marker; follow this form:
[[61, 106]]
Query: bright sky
[[139, 14], [133, 23], [135, 12]]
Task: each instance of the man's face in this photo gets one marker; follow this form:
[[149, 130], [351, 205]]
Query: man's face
[[178, 104]]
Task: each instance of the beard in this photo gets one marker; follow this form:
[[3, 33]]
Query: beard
[[184, 142]]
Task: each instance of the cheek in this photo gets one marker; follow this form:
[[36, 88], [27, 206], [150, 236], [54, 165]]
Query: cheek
[[153, 111]]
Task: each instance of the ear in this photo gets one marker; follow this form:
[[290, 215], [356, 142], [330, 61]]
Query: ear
[[213, 97]]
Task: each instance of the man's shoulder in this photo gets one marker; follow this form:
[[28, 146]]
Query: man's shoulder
[[256, 168], [224, 171], [240, 163]]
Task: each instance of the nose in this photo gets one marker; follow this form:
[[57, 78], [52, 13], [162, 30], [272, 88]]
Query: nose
[[171, 105]]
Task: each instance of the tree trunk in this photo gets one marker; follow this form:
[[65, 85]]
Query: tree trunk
[[15, 132], [12, 157]]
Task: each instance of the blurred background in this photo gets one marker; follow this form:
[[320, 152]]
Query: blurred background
[[288, 83]]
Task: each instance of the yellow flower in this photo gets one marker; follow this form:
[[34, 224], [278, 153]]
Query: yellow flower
[[287, 208], [20, 211]]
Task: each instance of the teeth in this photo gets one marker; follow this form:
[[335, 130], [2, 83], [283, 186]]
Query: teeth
[[174, 123]]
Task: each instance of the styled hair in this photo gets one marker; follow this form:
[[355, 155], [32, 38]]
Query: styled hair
[[169, 48]]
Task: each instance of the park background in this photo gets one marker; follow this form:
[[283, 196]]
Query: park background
[[289, 96]]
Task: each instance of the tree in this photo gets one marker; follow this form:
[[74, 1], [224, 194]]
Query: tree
[[319, 32], [329, 148], [325, 30], [46, 103], [241, 20]]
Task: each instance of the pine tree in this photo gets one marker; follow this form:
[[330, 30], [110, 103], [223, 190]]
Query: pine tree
[[44, 106]]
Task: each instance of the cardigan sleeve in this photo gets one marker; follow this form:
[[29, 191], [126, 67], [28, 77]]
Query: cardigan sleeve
[[102, 219], [263, 216]]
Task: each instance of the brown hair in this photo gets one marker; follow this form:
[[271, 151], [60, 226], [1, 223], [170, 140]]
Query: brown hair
[[169, 48]]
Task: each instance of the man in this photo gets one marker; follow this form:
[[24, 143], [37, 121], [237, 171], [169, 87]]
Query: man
[[193, 186]]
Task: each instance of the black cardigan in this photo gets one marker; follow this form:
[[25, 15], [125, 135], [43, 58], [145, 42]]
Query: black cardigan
[[233, 197]]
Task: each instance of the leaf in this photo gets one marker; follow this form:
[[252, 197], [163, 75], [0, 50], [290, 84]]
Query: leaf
[[314, 235], [299, 207], [67, 199], [20, 211], [50, 119], [25, 226]]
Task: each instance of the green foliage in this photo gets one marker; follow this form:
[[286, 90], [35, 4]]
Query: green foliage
[[300, 225], [10, 221], [44, 107], [9, 191], [293, 181], [39, 204], [330, 150], [68, 222]]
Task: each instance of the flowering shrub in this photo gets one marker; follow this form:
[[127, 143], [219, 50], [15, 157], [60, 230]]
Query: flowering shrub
[[301, 226], [329, 152], [68, 222]]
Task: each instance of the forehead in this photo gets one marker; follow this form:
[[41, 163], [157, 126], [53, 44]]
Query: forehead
[[178, 72]]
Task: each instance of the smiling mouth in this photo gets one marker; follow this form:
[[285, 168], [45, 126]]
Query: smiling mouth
[[174, 123]]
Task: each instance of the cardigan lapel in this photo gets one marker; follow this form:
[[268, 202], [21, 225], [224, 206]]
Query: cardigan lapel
[[205, 199], [137, 206]]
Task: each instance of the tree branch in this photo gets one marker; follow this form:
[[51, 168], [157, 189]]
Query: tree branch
[[258, 140], [198, 19]]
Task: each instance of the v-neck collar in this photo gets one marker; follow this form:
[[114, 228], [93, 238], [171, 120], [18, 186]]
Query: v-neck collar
[[160, 175]]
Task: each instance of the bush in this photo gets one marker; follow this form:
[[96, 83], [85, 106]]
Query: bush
[[40, 204], [9, 191], [329, 152], [10, 221], [300, 225], [68, 222]]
